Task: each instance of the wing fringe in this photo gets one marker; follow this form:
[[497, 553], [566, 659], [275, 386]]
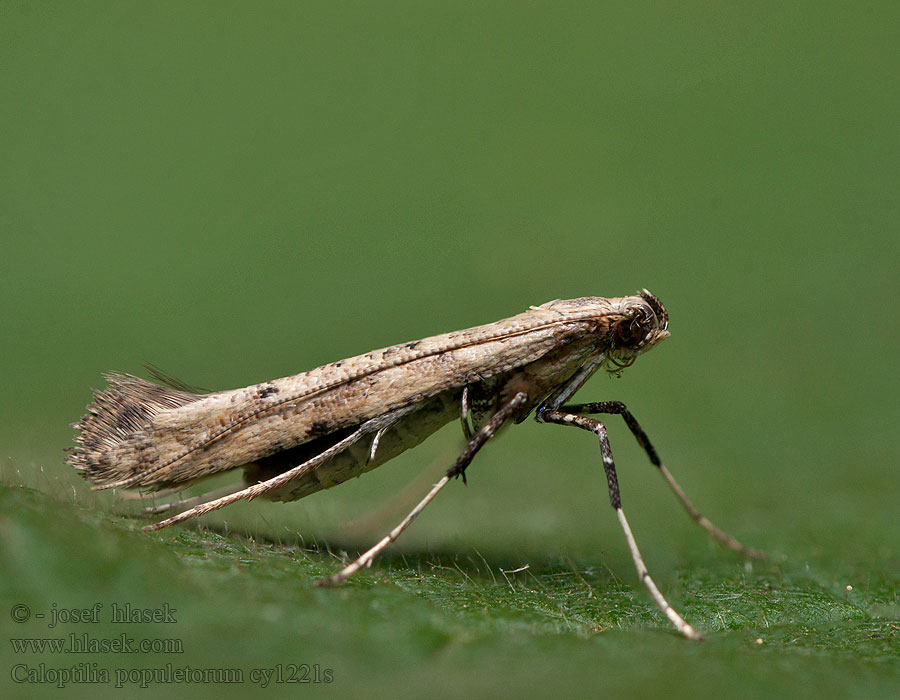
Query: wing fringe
[[117, 414]]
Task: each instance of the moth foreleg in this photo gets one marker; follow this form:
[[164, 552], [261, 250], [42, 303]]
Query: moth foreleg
[[592, 425], [619, 408]]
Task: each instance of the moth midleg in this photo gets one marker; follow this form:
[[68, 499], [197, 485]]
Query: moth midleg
[[562, 417], [487, 431], [396, 507], [465, 414], [619, 408]]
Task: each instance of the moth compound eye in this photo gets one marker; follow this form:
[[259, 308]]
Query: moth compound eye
[[627, 333]]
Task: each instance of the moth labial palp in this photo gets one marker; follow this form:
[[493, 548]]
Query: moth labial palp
[[300, 434]]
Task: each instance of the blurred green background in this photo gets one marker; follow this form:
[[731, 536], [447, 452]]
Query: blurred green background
[[241, 191]]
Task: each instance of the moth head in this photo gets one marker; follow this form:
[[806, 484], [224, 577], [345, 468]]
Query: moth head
[[641, 324]]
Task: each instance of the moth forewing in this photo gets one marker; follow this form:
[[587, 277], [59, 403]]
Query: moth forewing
[[295, 435], [130, 437]]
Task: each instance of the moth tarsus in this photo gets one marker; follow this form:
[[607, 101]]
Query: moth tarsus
[[297, 435]]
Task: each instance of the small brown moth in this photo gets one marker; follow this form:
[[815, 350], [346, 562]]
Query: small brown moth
[[297, 435]]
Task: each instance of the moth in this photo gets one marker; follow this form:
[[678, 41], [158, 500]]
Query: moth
[[297, 435]]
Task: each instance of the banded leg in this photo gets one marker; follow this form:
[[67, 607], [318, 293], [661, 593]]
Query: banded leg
[[458, 469], [562, 417], [618, 408]]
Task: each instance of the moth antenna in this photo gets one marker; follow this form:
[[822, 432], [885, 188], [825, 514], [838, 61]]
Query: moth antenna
[[163, 377]]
